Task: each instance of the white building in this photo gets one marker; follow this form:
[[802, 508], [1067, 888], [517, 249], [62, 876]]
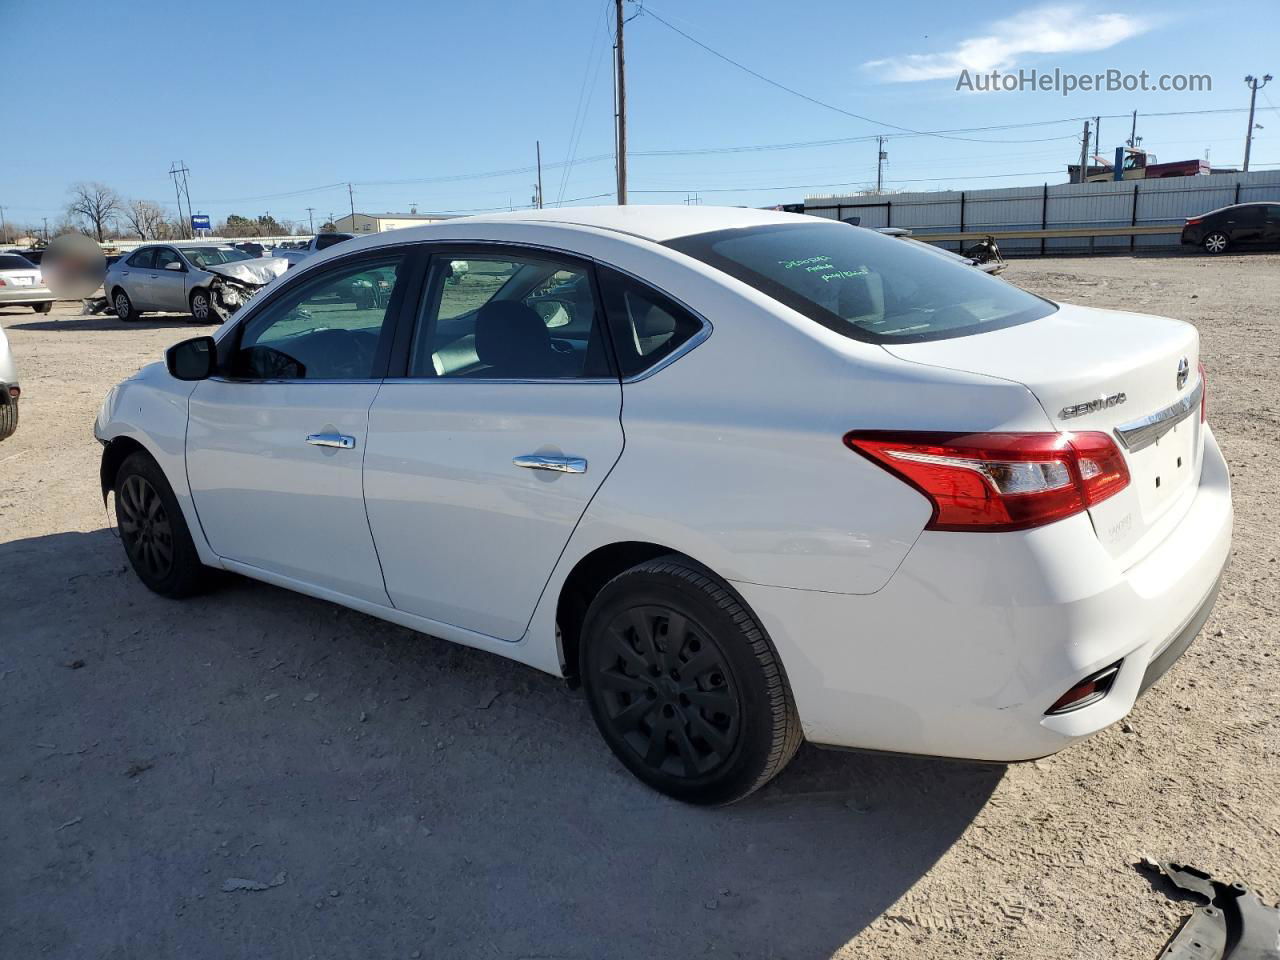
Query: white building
[[378, 222]]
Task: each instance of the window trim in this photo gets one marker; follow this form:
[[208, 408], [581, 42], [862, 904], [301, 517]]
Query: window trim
[[478, 249], [229, 342]]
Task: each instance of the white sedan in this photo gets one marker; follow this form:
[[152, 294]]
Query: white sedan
[[748, 477]]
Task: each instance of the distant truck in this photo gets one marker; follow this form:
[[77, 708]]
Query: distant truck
[[321, 241], [1137, 164]]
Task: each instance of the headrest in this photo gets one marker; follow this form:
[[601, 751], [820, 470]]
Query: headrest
[[512, 339]]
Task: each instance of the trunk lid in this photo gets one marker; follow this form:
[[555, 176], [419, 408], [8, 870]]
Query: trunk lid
[[1116, 373]]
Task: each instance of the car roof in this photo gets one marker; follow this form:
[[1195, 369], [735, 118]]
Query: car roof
[[657, 222]]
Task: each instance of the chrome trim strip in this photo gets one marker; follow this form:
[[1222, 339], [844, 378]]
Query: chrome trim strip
[[1143, 432]]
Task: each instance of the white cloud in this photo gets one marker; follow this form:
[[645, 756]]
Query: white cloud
[[1050, 29]]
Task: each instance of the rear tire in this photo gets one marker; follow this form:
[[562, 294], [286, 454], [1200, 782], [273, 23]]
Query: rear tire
[[8, 419], [684, 685], [1216, 242], [42, 307], [200, 306], [153, 531], [124, 307]]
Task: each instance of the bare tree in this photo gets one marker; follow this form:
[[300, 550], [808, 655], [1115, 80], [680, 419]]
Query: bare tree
[[97, 205], [145, 218]]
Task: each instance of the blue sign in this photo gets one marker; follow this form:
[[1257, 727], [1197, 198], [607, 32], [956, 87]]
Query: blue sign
[[199, 221]]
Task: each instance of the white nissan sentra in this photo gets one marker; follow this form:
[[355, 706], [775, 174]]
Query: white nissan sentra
[[748, 477]]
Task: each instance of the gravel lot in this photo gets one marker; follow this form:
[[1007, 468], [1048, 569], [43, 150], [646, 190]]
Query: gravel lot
[[400, 797]]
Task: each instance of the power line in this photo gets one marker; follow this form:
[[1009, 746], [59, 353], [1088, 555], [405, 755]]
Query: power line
[[822, 103]]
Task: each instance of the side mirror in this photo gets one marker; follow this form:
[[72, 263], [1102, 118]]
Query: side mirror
[[173, 265], [194, 359]]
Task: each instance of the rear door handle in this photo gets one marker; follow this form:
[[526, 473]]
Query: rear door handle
[[339, 440], [555, 464]]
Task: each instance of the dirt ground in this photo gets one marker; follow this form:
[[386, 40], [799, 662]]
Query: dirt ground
[[396, 796]]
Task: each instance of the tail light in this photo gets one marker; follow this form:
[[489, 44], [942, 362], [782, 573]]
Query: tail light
[[1088, 691], [982, 482], [1204, 392], [1192, 221], [2, 281]]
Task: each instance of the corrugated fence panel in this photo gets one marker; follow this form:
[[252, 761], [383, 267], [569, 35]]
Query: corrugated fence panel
[[1110, 204]]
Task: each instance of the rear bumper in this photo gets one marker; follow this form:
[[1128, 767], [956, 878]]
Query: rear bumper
[[976, 635], [12, 296]]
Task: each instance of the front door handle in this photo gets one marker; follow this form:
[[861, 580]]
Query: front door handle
[[555, 464], [339, 440]]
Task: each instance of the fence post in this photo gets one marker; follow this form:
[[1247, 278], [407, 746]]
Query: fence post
[[962, 214], [1237, 199], [840, 212], [888, 213], [1133, 219], [1044, 215]]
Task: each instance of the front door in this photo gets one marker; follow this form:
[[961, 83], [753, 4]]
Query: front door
[[275, 445], [168, 286], [484, 457]]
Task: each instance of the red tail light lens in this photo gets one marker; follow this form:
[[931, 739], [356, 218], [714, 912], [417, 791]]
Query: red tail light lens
[[1204, 391], [999, 481], [1192, 221]]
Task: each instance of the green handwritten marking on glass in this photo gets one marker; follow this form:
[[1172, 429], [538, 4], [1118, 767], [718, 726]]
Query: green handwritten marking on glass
[[842, 274], [807, 262]]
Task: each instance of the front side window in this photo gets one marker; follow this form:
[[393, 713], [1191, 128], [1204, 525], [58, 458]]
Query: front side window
[[164, 257], [143, 259], [329, 239], [509, 318], [864, 285], [327, 328]]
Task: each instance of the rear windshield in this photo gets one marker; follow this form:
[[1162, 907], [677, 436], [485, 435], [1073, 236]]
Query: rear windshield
[[11, 261], [329, 239], [213, 256], [864, 285]]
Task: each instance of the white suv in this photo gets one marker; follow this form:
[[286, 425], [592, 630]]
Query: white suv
[[749, 477]]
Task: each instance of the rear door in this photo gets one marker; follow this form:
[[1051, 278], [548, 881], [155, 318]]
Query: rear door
[[484, 454], [1245, 223], [1271, 230], [136, 278]]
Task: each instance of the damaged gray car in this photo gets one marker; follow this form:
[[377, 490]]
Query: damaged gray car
[[211, 282]]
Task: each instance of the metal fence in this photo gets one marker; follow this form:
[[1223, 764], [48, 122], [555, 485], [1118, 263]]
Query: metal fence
[[1059, 206]]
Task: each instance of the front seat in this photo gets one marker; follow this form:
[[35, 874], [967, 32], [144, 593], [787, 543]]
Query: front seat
[[514, 344]]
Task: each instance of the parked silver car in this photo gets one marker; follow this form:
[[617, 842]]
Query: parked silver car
[[161, 277], [21, 284], [9, 390]]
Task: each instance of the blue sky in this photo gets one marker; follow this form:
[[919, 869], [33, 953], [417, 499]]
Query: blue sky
[[270, 104]]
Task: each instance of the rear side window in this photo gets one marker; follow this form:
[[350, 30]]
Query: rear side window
[[143, 258], [864, 285], [329, 239], [647, 326], [11, 261]]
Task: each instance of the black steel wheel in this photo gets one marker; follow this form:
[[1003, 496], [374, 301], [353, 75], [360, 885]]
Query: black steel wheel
[[155, 535], [683, 684]]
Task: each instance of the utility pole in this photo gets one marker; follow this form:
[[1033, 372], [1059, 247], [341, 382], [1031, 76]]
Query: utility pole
[[620, 72], [4, 229], [46, 229], [311, 219], [1133, 131], [1097, 136], [351, 198], [1084, 155], [538, 146], [1254, 86], [178, 170], [881, 157]]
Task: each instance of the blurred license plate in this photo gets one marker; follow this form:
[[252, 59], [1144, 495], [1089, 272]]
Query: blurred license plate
[[22, 281]]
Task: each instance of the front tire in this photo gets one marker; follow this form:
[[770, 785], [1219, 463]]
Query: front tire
[[1216, 242], [200, 306], [684, 685], [124, 307], [153, 530]]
